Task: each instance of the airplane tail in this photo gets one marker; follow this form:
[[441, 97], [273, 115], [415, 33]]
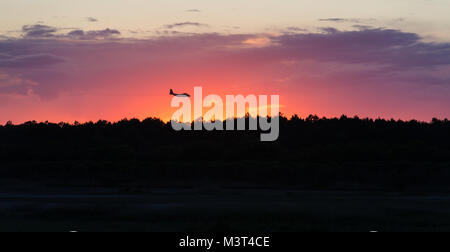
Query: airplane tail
[[171, 92]]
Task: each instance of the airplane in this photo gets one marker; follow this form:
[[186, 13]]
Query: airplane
[[179, 95]]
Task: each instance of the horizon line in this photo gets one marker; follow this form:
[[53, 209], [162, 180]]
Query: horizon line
[[315, 117]]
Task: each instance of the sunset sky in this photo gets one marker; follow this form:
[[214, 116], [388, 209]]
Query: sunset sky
[[85, 60]]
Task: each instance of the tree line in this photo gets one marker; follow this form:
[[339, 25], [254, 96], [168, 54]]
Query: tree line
[[311, 153]]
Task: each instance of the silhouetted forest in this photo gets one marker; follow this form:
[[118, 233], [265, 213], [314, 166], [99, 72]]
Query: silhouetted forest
[[311, 153]]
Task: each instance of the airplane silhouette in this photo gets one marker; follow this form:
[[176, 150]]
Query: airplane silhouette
[[179, 95]]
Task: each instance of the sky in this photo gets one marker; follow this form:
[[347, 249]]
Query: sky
[[82, 60]]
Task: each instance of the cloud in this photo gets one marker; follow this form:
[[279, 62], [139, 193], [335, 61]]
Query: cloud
[[91, 19], [185, 24], [15, 85], [38, 31], [28, 61], [339, 20], [47, 32], [394, 48], [296, 29], [193, 10], [4, 56], [346, 20], [329, 30], [362, 27], [258, 42], [76, 33], [93, 35]]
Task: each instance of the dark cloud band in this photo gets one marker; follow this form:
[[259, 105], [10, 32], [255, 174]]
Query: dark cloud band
[[185, 24], [368, 56]]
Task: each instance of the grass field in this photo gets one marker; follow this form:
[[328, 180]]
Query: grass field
[[204, 210]]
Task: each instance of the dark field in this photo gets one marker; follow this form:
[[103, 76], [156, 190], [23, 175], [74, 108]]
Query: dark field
[[186, 210]]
